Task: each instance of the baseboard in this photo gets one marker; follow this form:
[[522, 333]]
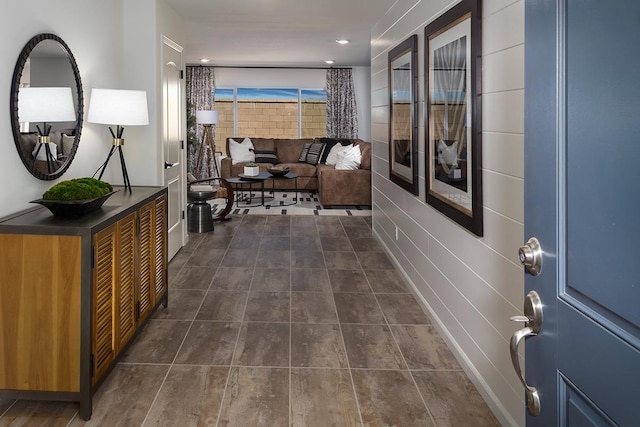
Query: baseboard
[[478, 381]]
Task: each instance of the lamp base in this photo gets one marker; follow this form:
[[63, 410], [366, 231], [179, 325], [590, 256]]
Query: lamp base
[[125, 175]]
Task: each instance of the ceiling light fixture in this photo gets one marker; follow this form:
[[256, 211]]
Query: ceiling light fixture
[[205, 60], [342, 41], [329, 61]]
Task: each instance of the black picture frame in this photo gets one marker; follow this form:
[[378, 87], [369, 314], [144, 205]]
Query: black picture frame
[[403, 114], [453, 104]]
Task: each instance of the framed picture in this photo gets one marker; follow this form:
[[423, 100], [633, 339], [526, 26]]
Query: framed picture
[[403, 114], [453, 128]]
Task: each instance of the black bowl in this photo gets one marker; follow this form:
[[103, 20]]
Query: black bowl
[[278, 171], [73, 207]]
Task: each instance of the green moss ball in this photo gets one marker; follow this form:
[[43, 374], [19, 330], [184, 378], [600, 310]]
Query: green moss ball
[[78, 189]]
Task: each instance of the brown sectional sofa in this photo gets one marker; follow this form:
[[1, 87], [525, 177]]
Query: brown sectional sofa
[[334, 187]]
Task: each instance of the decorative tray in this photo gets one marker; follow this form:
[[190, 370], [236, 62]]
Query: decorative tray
[[73, 207]]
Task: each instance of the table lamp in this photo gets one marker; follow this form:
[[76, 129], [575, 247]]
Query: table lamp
[[46, 105], [121, 108]]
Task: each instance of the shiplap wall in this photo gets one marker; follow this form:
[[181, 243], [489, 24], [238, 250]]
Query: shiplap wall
[[470, 286]]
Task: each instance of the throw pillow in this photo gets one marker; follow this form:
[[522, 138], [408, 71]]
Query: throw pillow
[[315, 153], [241, 151], [349, 159], [266, 156], [305, 150], [329, 143], [332, 157]]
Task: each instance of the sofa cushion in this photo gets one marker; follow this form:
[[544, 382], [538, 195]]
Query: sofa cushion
[[365, 149], [349, 159], [300, 169], [329, 144], [266, 156], [311, 153], [241, 152]]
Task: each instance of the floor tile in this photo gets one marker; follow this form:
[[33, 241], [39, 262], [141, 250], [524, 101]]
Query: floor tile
[[232, 279], [307, 259], [226, 306], [310, 279], [341, 260], [308, 243], [204, 257], [335, 243], [256, 397], [215, 240], [444, 393], [374, 261], [183, 305], [307, 221], [353, 220], [193, 278], [303, 231], [322, 397], [190, 396], [126, 395], [365, 244], [328, 220], [386, 281], [356, 231], [277, 230], [423, 348], [243, 241], [209, 343], [282, 243], [271, 279], [5, 404], [158, 342], [250, 229], [371, 346], [358, 308], [263, 344], [269, 258], [240, 257], [268, 307], [331, 230], [39, 413], [389, 398], [282, 220], [313, 307], [348, 281], [402, 309], [317, 346]]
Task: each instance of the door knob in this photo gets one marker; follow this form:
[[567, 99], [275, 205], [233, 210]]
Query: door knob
[[168, 165], [531, 256], [532, 324]]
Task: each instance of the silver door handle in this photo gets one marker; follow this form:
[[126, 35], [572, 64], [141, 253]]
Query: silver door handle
[[168, 165], [532, 324]]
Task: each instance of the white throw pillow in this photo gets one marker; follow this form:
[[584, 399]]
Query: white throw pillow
[[349, 159], [332, 158], [241, 152]]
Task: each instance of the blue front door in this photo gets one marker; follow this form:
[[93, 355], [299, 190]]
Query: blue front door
[[582, 202]]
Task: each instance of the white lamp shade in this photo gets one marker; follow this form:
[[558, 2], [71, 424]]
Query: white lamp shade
[[207, 117], [45, 104], [118, 107]]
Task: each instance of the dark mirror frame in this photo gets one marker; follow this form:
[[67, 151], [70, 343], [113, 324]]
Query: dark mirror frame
[[13, 105], [410, 46]]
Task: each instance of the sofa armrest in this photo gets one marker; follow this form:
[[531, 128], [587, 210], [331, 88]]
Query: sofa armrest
[[344, 187], [225, 167]]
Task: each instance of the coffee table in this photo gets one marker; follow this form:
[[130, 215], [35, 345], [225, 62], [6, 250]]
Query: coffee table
[[243, 182]]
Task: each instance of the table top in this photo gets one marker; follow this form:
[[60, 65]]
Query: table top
[[262, 176]]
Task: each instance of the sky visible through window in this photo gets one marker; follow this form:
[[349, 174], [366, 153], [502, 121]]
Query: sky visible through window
[[281, 94]]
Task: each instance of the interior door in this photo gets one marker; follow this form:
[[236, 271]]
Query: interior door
[[582, 192], [172, 140]]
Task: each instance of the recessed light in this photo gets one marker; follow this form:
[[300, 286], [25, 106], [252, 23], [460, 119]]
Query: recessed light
[[205, 60], [330, 61], [342, 41]]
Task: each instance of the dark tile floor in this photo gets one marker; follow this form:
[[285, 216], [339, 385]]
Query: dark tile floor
[[277, 321]]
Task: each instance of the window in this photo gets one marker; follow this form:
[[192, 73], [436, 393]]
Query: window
[[270, 113]]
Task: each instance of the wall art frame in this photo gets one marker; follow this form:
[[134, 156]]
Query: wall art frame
[[453, 128], [403, 114]]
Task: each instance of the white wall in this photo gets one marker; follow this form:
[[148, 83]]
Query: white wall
[[301, 78], [116, 45], [469, 285]]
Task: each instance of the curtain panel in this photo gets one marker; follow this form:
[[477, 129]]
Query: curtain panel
[[200, 91], [342, 115]]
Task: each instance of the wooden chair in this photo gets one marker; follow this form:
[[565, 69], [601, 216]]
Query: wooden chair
[[220, 185]]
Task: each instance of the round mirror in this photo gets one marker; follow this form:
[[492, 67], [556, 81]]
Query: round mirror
[[46, 106]]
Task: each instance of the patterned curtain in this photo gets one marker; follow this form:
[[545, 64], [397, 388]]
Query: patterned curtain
[[201, 86], [342, 116]]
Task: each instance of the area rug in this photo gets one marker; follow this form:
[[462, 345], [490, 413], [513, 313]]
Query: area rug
[[286, 203]]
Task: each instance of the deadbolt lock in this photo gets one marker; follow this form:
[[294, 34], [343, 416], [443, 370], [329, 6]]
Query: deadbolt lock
[[531, 256]]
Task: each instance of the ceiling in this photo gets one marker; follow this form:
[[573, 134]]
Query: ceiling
[[283, 33]]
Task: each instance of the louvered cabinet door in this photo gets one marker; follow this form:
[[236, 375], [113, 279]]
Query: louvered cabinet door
[[104, 275], [126, 285], [146, 264], [160, 254]]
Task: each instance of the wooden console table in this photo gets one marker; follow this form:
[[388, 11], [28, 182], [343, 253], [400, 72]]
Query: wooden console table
[[74, 291]]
